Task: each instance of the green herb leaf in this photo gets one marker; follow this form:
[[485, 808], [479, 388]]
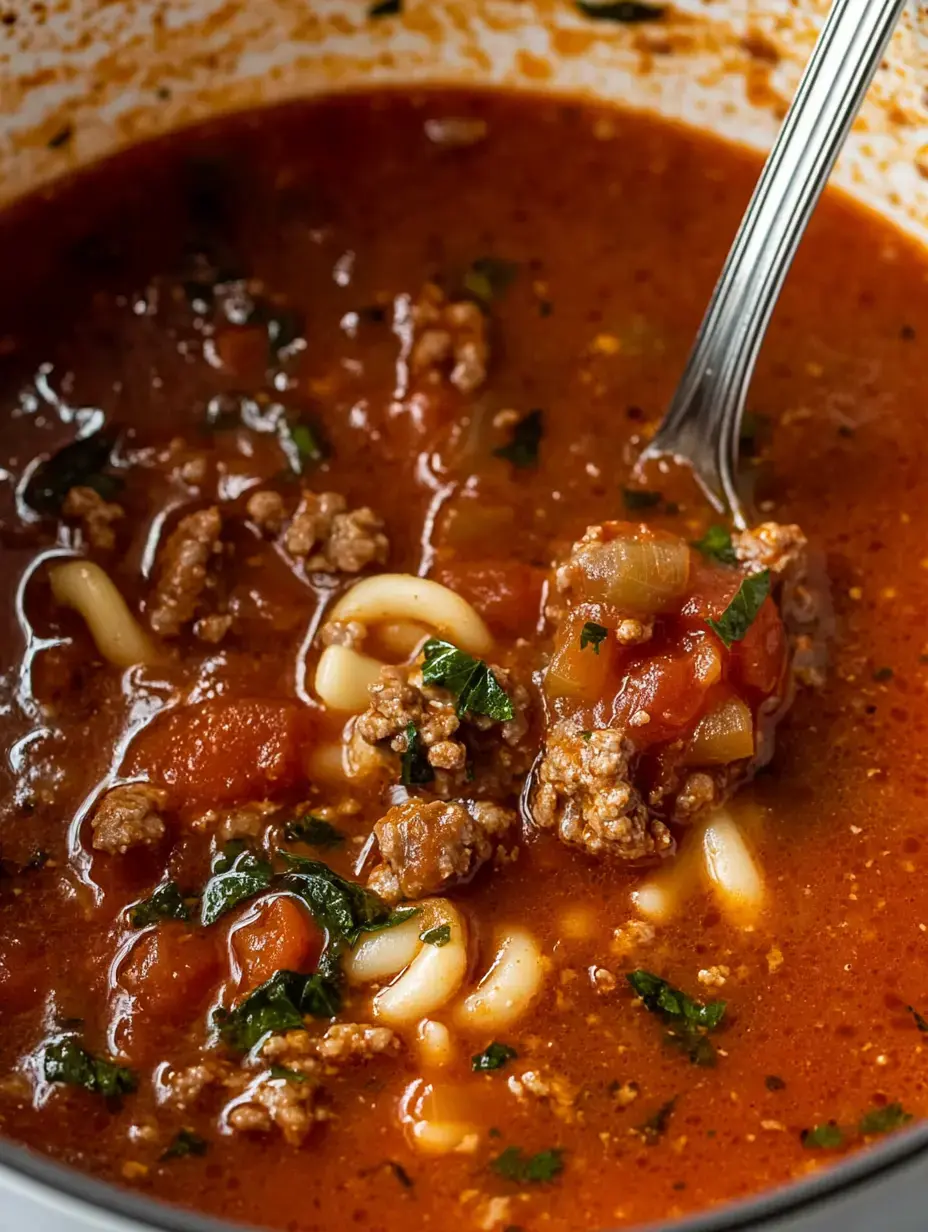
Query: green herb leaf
[[247, 877], [164, 903], [385, 8], [738, 617], [82, 463], [223, 860], [288, 1075], [414, 762], [488, 278], [439, 936], [688, 1019], [524, 442], [302, 444], [716, 544], [313, 831], [882, 674], [495, 1056], [185, 1142], [626, 12], [470, 680], [640, 498], [823, 1137], [884, 1120], [592, 634], [920, 1022], [401, 1174], [279, 1004], [654, 1128], [515, 1165], [66, 1061]]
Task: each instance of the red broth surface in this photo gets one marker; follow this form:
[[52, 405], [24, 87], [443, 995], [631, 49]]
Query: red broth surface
[[607, 230]]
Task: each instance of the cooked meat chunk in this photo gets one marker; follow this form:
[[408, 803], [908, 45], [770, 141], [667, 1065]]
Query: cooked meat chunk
[[450, 340], [241, 821], [183, 1087], [129, 816], [552, 1089], [267, 511], [400, 698], [770, 546], [291, 1105], [426, 846], [585, 793], [332, 539], [212, 629], [350, 633], [96, 516], [698, 792], [183, 571]]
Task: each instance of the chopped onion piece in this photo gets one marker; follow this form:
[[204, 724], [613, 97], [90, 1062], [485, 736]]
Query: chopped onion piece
[[640, 576], [724, 735]]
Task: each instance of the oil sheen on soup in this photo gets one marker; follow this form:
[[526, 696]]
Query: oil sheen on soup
[[410, 812]]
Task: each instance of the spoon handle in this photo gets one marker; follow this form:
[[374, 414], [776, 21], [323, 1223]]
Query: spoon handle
[[702, 425]]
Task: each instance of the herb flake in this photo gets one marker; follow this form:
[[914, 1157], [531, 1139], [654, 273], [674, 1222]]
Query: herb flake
[[247, 877], [439, 936], [385, 8], [823, 1137], [470, 680], [278, 1004], [494, 1056], [314, 832], [593, 635], [67, 1062], [920, 1021], [654, 1128], [688, 1020], [738, 617], [164, 903], [640, 498], [884, 1120], [414, 763], [488, 278], [625, 12], [524, 443], [515, 1165], [716, 544], [185, 1142]]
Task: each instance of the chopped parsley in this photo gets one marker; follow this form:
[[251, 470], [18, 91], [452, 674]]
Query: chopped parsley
[[401, 1174], [593, 635], [164, 903], [687, 1019], [626, 12], [654, 1128], [515, 1165], [884, 1120], [920, 1022], [286, 1074], [82, 463], [487, 278], [882, 674], [716, 544], [773, 1082], [439, 936], [470, 680], [494, 1056], [247, 876], [523, 445], [823, 1137], [414, 762], [302, 444], [185, 1142], [313, 831], [279, 1004], [66, 1061], [640, 498], [738, 617]]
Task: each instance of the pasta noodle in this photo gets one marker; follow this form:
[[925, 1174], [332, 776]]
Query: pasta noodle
[[435, 973], [85, 587], [383, 954], [508, 988], [436, 1048], [404, 597], [432, 1118], [343, 677], [402, 637], [731, 870]]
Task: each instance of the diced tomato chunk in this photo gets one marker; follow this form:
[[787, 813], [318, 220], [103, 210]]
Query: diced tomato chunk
[[225, 750], [281, 937], [587, 672], [759, 659], [171, 971], [670, 688], [507, 594]]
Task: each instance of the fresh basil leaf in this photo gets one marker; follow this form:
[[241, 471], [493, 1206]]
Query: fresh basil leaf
[[920, 1022], [654, 1128], [414, 763], [524, 442], [515, 1165], [223, 860], [164, 903], [687, 1019], [494, 1056], [247, 877], [823, 1137], [66, 1061], [439, 936], [82, 463], [640, 498], [488, 278], [279, 1004], [470, 680], [385, 8], [626, 12], [738, 617], [185, 1142], [884, 1120], [313, 831], [716, 544], [593, 635]]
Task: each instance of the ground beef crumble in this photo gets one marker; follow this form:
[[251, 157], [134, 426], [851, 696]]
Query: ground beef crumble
[[183, 571], [426, 846], [450, 340], [129, 816], [322, 531], [585, 794], [96, 516]]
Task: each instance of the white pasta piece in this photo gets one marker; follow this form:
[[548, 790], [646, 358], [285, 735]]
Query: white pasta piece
[[343, 677], [325, 762], [660, 897], [382, 955], [508, 988], [402, 596], [444, 1137], [435, 973], [84, 586], [435, 1119], [731, 869], [436, 1048], [402, 638]]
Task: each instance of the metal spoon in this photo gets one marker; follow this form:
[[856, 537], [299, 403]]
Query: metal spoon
[[702, 424]]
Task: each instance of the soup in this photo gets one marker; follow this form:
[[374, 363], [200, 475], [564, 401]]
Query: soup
[[344, 881]]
